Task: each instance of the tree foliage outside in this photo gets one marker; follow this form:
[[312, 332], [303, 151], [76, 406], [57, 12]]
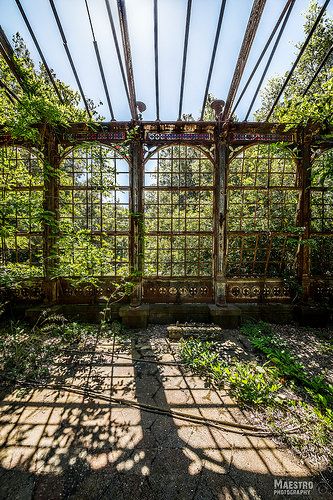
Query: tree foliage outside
[[37, 102], [91, 229], [316, 107]]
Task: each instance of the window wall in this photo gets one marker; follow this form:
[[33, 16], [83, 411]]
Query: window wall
[[94, 209], [21, 214], [263, 198], [178, 213]]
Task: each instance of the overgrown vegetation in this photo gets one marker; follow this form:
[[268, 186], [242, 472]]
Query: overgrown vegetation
[[29, 352], [37, 106], [275, 385], [248, 382], [315, 107]]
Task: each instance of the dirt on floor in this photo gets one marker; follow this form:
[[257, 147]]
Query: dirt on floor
[[120, 417]]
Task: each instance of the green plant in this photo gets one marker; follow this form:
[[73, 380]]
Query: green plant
[[252, 383], [28, 352], [200, 356], [287, 365], [249, 382]]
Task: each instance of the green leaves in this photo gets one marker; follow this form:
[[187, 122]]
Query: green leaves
[[38, 104], [287, 366], [248, 382], [316, 107]]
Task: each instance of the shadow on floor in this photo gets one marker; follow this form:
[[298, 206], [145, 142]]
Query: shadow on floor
[[57, 444]]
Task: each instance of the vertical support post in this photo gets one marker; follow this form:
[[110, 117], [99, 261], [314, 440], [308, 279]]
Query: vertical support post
[[136, 227], [51, 210], [220, 206], [304, 217]]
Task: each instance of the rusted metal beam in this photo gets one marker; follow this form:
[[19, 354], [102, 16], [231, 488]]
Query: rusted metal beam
[[7, 53], [277, 41], [187, 31], [99, 62], [212, 60], [287, 6], [39, 50], [320, 67], [157, 86], [10, 94], [116, 44], [128, 57], [251, 29], [69, 56]]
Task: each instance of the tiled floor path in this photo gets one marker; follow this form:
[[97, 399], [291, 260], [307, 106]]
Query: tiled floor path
[[79, 445]]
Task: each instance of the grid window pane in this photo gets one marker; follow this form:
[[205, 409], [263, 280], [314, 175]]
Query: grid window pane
[[94, 203], [178, 200], [262, 197], [21, 212]]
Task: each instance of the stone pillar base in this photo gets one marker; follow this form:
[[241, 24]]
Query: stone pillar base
[[134, 317], [227, 316]]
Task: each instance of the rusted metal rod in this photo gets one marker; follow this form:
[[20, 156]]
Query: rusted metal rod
[[251, 30], [128, 57]]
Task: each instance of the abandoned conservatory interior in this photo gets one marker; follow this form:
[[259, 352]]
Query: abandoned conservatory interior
[[167, 221], [166, 267]]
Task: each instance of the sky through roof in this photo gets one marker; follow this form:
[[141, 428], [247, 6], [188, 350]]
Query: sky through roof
[[171, 27]]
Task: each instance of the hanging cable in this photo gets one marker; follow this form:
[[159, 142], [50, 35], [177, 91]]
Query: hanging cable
[[100, 65], [284, 10], [69, 56], [301, 52], [320, 67], [32, 34], [277, 41], [212, 60], [157, 90], [187, 30]]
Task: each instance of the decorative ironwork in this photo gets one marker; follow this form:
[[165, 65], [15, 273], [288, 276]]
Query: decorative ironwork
[[167, 136], [251, 290], [257, 137], [94, 136], [178, 292]]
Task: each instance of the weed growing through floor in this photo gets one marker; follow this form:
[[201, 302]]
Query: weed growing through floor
[[277, 387], [248, 382], [312, 408], [28, 353], [290, 369]]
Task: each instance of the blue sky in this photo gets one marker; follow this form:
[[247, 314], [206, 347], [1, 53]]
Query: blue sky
[[172, 14]]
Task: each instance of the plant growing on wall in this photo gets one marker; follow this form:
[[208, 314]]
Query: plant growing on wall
[[37, 106]]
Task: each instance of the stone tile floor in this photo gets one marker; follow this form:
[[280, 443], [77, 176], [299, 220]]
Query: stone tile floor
[[58, 444]]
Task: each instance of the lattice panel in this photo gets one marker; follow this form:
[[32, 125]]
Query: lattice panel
[[179, 200], [261, 255], [21, 211], [94, 213]]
